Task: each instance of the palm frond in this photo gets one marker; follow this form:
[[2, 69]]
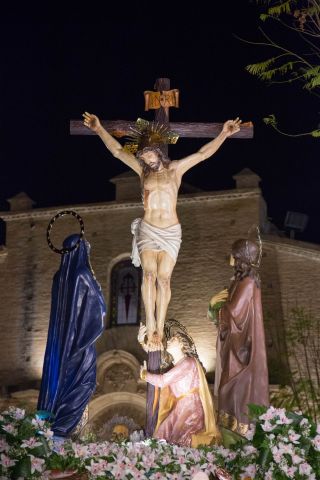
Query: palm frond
[[313, 75], [311, 72], [283, 7], [258, 68]]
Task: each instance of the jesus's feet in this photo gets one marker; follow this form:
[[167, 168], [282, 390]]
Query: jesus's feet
[[154, 342]]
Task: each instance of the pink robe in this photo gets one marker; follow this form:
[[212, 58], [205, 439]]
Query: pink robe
[[187, 416]]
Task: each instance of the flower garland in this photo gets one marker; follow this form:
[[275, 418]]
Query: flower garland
[[279, 445]]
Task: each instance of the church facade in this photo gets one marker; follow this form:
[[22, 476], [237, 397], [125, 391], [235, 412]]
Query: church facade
[[211, 222]]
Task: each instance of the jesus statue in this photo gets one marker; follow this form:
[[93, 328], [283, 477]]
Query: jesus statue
[[157, 236]]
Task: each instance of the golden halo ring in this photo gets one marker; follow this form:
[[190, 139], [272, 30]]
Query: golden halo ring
[[62, 251]]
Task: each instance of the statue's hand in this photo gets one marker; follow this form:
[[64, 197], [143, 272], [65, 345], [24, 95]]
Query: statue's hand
[[142, 332], [231, 126], [143, 371], [219, 297], [91, 121]]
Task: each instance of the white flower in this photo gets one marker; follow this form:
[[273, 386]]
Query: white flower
[[166, 459], [10, 429], [156, 476], [232, 456], [251, 431], [304, 422], [46, 475], [249, 471], [283, 419], [47, 433], [105, 449], [6, 461], [200, 476], [181, 460], [4, 447], [316, 442], [118, 470], [269, 474], [79, 450], [97, 468], [18, 413], [277, 454], [175, 476], [304, 468], [38, 423], [270, 414], [289, 471], [224, 452], [249, 450], [211, 457], [194, 470], [31, 443], [139, 474], [296, 459], [37, 464], [286, 448], [61, 451], [293, 436], [93, 449], [267, 426]]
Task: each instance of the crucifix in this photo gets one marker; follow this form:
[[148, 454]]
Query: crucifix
[[157, 236], [161, 103]]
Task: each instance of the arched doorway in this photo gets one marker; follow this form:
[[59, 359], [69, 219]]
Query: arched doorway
[[120, 393], [104, 408]]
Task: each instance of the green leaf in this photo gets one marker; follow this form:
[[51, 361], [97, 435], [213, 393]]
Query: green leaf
[[283, 7], [312, 72], [22, 468], [264, 16], [256, 410], [258, 68], [265, 457], [231, 438], [270, 120]]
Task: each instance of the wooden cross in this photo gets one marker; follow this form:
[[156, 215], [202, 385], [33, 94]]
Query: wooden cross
[[121, 128]]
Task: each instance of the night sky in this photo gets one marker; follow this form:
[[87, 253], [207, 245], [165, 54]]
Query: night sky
[[51, 71]]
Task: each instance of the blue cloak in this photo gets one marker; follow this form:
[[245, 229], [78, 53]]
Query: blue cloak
[[76, 321]]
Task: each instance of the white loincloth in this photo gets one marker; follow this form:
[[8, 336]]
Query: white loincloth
[[149, 237]]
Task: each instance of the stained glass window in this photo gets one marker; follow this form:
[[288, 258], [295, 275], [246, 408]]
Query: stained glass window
[[125, 294]]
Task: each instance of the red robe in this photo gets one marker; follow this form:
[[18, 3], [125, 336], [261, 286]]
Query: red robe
[[242, 372]]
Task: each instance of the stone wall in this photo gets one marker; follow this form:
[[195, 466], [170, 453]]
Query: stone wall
[[293, 268], [211, 221]]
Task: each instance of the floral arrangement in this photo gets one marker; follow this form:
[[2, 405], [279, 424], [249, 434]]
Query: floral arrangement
[[24, 444], [279, 445], [282, 445]]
